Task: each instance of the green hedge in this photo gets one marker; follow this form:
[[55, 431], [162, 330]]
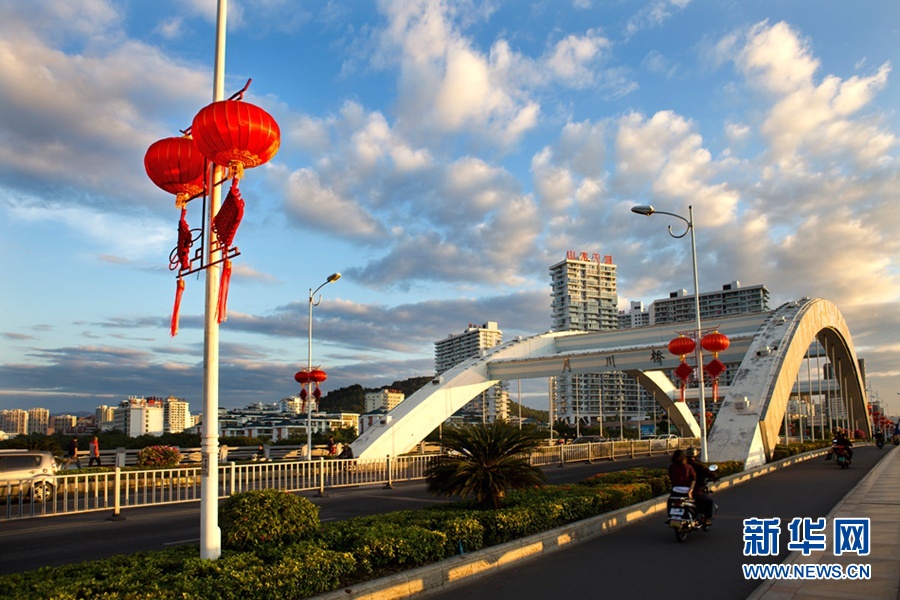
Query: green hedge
[[312, 558], [784, 451]]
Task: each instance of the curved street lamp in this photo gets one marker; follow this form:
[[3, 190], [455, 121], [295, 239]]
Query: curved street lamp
[[313, 302], [689, 227]]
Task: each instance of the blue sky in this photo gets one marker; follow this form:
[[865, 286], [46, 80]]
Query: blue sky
[[441, 155]]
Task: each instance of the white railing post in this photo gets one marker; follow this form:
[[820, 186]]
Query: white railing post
[[117, 504], [321, 493], [390, 484]]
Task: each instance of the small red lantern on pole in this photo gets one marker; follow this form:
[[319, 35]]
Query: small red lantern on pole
[[681, 347], [176, 166], [715, 342]]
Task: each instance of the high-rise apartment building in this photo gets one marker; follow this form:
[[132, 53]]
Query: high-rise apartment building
[[38, 420], [584, 297], [104, 417], [732, 299], [176, 415], [14, 421], [64, 424], [584, 293], [492, 404], [138, 416]]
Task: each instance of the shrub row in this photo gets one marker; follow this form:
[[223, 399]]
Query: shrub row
[[274, 545], [783, 451]]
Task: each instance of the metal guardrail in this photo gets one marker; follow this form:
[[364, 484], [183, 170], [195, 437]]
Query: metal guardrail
[[120, 489]]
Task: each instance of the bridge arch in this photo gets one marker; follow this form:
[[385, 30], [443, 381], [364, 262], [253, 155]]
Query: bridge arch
[[754, 406], [770, 348]]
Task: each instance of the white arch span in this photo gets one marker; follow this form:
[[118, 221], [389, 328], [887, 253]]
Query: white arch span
[[769, 346]]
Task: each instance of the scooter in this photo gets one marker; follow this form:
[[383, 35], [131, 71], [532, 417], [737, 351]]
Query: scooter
[[683, 514], [841, 456]]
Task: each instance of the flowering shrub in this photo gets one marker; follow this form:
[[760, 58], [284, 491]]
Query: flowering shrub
[[159, 457]]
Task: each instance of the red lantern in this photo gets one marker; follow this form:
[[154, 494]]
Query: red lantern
[[682, 346], [317, 375], [684, 372], [236, 134], [714, 368], [715, 342], [176, 166]]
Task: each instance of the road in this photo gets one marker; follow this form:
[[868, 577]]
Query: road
[[644, 560], [28, 544]]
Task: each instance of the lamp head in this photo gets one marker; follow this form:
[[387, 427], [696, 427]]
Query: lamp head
[[643, 210], [334, 277]]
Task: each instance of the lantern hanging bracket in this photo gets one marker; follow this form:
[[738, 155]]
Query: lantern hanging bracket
[[239, 95]]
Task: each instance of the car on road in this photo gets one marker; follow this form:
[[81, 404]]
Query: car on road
[[29, 473], [589, 439]]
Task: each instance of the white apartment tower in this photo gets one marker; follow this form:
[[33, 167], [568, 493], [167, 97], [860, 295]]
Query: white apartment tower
[[38, 420], [14, 421], [493, 404], [584, 297], [176, 415]]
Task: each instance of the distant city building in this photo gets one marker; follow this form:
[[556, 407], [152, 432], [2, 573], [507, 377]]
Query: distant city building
[[176, 415], [637, 316], [14, 421], [584, 297], [292, 405], [384, 398], [732, 299], [492, 404], [140, 416], [64, 424], [38, 420], [105, 417]]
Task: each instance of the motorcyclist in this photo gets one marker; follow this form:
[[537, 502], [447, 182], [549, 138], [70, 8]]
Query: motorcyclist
[[704, 477], [879, 438], [842, 441], [682, 476]]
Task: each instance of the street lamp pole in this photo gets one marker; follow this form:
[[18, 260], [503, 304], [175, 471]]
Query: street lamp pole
[[210, 533], [312, 302], [647, 211]]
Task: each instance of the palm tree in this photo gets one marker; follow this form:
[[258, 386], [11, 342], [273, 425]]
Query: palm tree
[[484, 461]]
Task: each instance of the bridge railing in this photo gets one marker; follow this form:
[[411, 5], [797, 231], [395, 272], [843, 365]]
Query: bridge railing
[[120, 489]]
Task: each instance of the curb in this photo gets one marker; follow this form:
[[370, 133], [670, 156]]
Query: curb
[[444, 574]]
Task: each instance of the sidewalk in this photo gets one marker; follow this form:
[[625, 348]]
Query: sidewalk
[[877, 497]]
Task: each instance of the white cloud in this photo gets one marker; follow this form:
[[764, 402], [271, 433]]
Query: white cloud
[[654, 14]]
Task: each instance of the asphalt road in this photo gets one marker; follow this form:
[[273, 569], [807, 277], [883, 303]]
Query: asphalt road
[[643, 560], [29, 544]]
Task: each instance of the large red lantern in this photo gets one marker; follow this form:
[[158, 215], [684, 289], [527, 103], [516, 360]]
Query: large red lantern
[[682, 346], [236, 134], [176, 166], [302, 377], [715, 342]]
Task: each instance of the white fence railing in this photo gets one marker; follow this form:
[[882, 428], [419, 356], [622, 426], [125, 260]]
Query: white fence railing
[[119, 489]]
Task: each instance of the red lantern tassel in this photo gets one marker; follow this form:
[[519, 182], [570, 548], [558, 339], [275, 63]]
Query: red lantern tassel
[[222, 309], [683, 385], [715, 387], [179, 291]]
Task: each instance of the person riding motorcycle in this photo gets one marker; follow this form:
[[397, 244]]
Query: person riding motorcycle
[[879, 439], [704, 477], [681, 474]]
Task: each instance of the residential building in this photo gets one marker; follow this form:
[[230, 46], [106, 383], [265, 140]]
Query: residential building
[[176, 415], [492, 404], [14, 421], [64, 424], [105, 417], [637, 316], [38, 420], [385, 398], [140, 416], [732, 299], [584, 297]]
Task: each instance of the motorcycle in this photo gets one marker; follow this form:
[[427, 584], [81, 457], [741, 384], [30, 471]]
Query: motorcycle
[[880, 443], [684, 516], [841, 456]]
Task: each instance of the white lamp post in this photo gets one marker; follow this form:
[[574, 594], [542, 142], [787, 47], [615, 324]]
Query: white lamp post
[[647, 211], [313, 302]]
